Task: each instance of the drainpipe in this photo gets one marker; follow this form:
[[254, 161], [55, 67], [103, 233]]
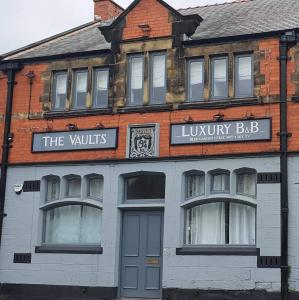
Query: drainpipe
[[287, 40], [10, 70]]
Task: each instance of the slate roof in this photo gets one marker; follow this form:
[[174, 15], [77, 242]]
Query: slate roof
[[230, 19]]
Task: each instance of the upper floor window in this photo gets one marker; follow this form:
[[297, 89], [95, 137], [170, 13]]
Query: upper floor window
[[158, 78], [100, 88], [135, 80], [219, 68], [73, 186], [195, 79], [95, 187], [80, 89], [59, 90], [53, 188], [243, 76]]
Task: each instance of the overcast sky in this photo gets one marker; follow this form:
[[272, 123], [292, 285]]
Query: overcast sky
[[26, 21]]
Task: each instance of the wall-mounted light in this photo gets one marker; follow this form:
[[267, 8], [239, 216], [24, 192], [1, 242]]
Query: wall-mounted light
[[218, 117], [99, 126], [72, 127], [30, 75], [10, 138], [249, 116], [189, 120]]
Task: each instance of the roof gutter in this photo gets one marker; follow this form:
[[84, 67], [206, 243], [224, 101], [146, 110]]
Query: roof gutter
[[10, 69], [287, 40]]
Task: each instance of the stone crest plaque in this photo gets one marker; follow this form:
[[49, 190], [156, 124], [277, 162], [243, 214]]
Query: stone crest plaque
[[142, 141]]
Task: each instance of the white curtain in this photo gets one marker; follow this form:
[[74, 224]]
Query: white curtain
[[220, 183], [81, 82], [91, 223], [244, 68], [52, 189], [206, 224], [158, 71], [73, 224], [102, 80], [74, 187], [96, 188], [61, 84], [195, 185], [247, 184], [241, 224], [136, 73], [196, 71]]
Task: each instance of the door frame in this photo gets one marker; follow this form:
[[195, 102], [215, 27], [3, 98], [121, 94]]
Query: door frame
[[138, 209]]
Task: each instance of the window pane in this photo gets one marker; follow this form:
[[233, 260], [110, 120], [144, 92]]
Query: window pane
[[91, 225], [219, 78], [95, 188], [241, 224], [246, 184], [100, 88], [73, 224], [59, 90], [145, 187], [136, 81], [244, 76], [220, 183], [158, 89], [73, 187], [53, 189], [195, 185], [80, 89], [196, 83], [206, 224]]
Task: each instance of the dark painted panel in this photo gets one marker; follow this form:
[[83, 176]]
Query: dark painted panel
[[153, 235], [130, 277], [131, 235], [152, 278]]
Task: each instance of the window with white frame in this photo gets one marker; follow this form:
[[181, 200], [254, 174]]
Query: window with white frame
[[76, 222], [100, 88], [244, 75], [195, 184], [135, 80], [219, 66], [80, 89]]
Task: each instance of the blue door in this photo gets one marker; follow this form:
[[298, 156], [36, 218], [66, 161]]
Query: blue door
[[141, 254]]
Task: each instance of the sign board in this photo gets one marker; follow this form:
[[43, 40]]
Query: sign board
[[221, 132], [93, 139]]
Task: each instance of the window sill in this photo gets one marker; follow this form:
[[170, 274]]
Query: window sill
[[219, 250], [77, 113], [69, 249], [145, 108], [221, 103]]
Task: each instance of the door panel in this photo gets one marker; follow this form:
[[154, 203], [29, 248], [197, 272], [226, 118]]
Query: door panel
[[141, 256]]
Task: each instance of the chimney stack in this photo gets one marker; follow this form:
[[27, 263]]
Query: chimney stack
[[105, 10]]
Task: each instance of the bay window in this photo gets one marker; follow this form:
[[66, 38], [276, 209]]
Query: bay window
[[53, 188], [135, 80], [246, 184], [195, 185], [195, 79], [73, 186], [59, 90], [158, 78], [95, 187], [220, 181]]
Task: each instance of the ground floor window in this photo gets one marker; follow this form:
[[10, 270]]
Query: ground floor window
[[73, 224], [220, 223]]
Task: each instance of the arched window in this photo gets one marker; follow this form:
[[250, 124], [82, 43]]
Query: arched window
[[220, 223], [94, 188], [195, 184], [220, 181], [73, 224], [246, 182], [52, 184], [72, 186]]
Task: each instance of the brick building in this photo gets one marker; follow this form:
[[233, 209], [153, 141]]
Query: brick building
[[153, 153]]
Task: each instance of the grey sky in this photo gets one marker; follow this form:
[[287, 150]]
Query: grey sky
[[26, 21]]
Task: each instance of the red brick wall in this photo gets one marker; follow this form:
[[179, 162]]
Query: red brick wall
[[159, 22], [23, 128], [106, 9]]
